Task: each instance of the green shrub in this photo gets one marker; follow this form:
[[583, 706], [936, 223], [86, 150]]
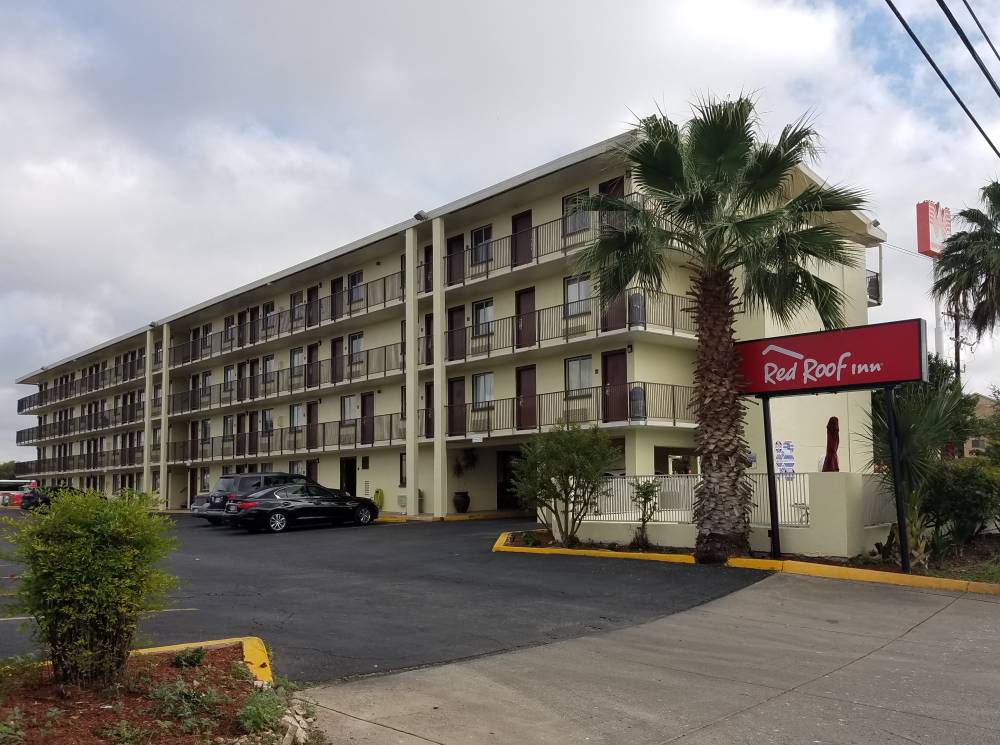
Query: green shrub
[[124, 733], [190, 657], [89, 570], [263, 710], [646, 497], [12, 728], [187, 704], [960, 497]]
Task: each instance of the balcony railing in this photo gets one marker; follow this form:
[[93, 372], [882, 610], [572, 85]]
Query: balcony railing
[[364, 365], [874, 284], [122, 458], [632, 403], [425, 277], [95, 422], [638, 310], [353, 301], [108, 378], [425, 350], [365, 431]]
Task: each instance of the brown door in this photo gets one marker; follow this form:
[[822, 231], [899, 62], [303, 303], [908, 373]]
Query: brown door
[[428, 269], [429, 409], [192, 483], [312, 306], [614, 188], [367, 418], [428, 350], [253, 324], [337, 354], [615, 373], [521, 238], [613, 314], [252, 427], [312, 365], [241, 381], [312, 470], [254, 372], [456, 333], [241, 434], [456, 259], [527, 413], [525, 324], [241, 328], [337, 298], [312, 424], [456, 406], [193, 441]]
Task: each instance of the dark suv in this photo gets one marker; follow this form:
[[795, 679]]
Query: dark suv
[[235, 487]]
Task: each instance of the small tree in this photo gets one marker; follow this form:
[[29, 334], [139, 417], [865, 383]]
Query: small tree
[[646, 497], [89, 570], [960, 498], [562, 473]]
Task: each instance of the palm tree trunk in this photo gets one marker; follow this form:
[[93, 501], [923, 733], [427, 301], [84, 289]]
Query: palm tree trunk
[[722, 497]]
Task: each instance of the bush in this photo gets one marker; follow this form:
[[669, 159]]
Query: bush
[[561, 472], [193, 707], [263, 710], [190, 657], [959, 498], [646, 497], [89, 570]]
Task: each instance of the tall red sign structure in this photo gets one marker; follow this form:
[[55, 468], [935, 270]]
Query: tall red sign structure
[[933, 227]]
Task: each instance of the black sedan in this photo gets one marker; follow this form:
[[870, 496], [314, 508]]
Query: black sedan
[[299, 504]]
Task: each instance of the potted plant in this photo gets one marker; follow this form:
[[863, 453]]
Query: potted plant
[[466, 460]]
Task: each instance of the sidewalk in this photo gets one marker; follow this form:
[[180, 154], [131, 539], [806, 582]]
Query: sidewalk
[[789, 660]]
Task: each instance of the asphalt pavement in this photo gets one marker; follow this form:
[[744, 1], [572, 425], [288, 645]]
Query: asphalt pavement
[[338, 602]]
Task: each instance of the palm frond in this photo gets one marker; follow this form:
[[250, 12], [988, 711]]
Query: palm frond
[[771, 165], [787, 291], [720, 139]]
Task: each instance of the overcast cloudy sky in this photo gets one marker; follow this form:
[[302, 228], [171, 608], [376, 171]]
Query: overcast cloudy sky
[[154, 155]]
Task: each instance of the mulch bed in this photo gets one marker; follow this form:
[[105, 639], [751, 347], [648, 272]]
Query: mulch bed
[[544, 539], [46, 712]]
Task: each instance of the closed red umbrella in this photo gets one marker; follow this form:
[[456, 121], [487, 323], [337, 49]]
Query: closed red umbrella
[[830, 462]]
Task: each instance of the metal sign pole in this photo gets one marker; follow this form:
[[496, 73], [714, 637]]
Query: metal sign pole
[[772, 484], [904, 538]]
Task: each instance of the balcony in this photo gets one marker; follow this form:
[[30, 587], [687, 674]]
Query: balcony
[[122, 458], [358, 366], [350, 303], [636, 403], [559, 324], [104, 380], [874, 284], [96, 422], [348, 434]]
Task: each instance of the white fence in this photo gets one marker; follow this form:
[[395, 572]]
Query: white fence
[[676, 499]]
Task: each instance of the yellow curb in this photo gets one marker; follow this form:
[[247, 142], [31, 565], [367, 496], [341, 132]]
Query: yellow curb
[[254, 653], [390, 518], [805, 568], [459, 516]]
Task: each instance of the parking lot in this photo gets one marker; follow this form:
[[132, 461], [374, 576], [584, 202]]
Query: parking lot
[[347, 601]]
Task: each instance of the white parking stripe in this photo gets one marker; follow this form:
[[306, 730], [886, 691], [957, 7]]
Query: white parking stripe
[[165, 610]]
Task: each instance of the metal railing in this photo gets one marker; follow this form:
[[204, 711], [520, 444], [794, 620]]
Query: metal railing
[[378, 362], [569, 321], [82, 424], [108, 378], [351, 302], [874, 284], [675, 501], [365, 431], [121, 458], [626, 402]]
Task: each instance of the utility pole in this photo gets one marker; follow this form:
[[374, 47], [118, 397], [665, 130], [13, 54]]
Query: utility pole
[[956, 316]]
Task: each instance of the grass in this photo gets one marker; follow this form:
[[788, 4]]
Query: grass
[[190, 657], [985, 571], [263, 710]]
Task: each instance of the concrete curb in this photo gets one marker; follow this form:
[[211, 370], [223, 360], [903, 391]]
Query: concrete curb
[[255, 655], [805, 568]]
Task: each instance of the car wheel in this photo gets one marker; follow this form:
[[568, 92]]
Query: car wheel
[[214, 520], [277, 522], [363, 515]]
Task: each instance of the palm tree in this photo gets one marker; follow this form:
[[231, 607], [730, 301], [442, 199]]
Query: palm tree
[[967, 273], [718, 197]]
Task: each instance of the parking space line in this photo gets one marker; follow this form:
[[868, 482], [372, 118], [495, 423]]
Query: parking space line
[[165, 610]]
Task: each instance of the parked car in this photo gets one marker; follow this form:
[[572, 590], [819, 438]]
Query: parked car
[[234, 487], [38, 496], [277, 508]]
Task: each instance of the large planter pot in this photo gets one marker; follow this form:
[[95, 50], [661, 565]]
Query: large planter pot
[[461, 501]]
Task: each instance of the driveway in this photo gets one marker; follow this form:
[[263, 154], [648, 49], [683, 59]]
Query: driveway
[[788, 660], [347, 601]]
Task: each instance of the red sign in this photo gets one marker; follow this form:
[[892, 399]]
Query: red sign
[[933, 227], [858, 357]]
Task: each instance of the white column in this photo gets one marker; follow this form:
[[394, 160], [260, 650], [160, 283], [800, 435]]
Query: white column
[[164, 417], [440, 495], [147, 418], [412, 384]]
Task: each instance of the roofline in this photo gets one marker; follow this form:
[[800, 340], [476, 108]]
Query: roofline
[[546, 169]]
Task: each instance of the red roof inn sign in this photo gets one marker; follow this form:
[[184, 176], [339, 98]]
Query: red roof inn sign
[[871, 356], [881, 355]]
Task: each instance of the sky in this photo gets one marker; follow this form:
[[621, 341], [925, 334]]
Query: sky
[[155, 155]]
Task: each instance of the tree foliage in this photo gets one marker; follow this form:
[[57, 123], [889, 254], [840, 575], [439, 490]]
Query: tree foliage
[[7, 470], [90, 569], [961, 498], [646, 498], [561, 473]]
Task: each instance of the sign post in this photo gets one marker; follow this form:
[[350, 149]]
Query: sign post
[[880, 355]]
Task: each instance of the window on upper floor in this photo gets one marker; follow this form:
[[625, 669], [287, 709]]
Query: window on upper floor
[[356, 287], [575, 217], [356, 348], [576, 295], [266, 420], [296, 306], [482, 390], [296, 359], [578, 375], [481, 238], [296, 415], [482, 317], [228, 377], [229, 328], [350, 407]]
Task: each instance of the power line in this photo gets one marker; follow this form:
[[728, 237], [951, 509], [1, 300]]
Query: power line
[[941, 75], [981, 29], [968, 44]]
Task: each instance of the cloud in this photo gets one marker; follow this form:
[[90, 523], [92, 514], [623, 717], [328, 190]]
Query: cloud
[[154, 155]]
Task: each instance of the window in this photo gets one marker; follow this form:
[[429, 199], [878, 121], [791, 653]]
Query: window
[[576, 295], [578, 375], [297, 466], [350, 407], [266, 467], [295, 418], [226, 470], [270, 318], [267, 420], [158, 394], [156, 480], [575, 217], [228, 376], [482, 390], [402, 402], [365, 462], [355, 347], [206, 381], [482, 317], [203, 485], [157, 352], [402, 468], [156, 437], [227, 427], [252, 468], [267, 365], [296, 358], [296, 306], [229, 328], [206, 430], [355, 287], [481, 244]]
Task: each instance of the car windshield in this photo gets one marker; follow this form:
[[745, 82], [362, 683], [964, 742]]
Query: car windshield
[[226, 483]]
